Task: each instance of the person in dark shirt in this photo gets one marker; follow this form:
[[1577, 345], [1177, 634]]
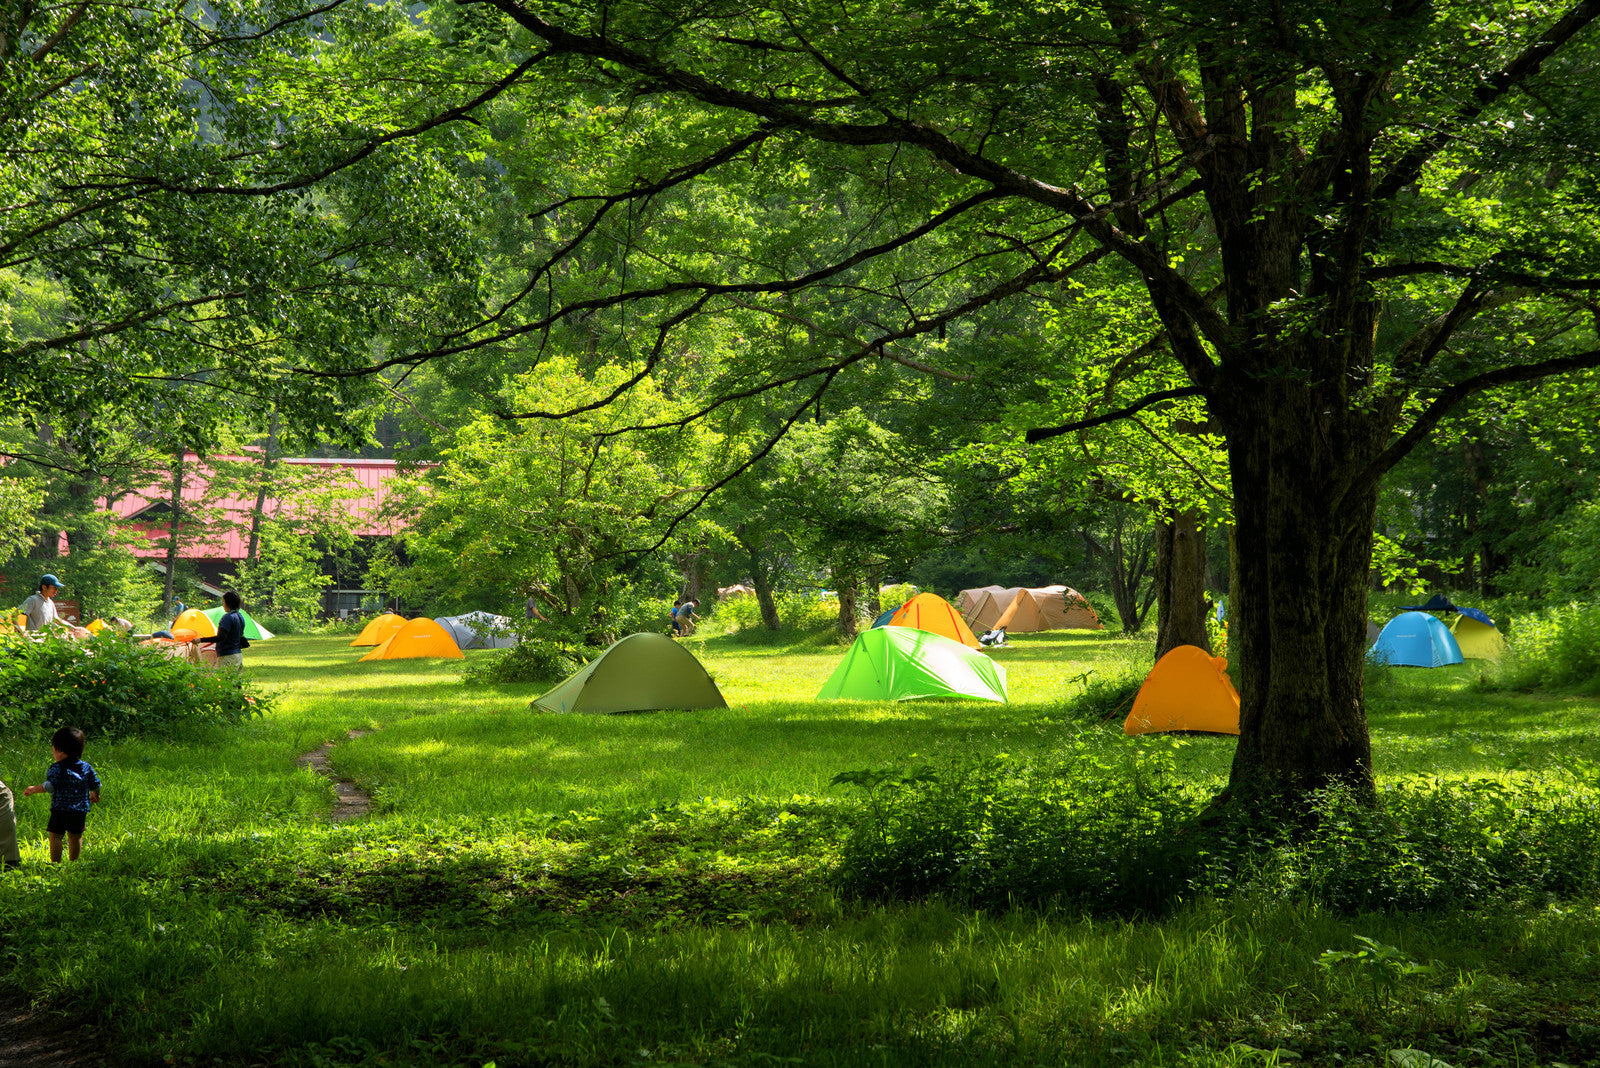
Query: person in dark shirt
[[231, 642], [73, 786]]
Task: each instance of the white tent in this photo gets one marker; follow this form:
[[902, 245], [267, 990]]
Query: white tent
[[479, 630]]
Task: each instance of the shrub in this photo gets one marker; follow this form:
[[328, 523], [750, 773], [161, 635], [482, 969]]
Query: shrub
[[1558, 648], [1122, 839], [1086, 835], [279, 624], [108, 685]]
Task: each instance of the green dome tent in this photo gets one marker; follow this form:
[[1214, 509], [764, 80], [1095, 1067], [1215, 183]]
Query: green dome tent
[[252, 630], [903, 663], [639, 673]]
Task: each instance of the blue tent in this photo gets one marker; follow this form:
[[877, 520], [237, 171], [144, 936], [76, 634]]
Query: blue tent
[[1478, 614], [1415, 639], [883, 620]]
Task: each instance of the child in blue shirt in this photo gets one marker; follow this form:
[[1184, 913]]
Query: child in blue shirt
[[72, 786]]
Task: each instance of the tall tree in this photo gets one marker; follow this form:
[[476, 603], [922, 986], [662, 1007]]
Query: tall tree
[[1343, 294]]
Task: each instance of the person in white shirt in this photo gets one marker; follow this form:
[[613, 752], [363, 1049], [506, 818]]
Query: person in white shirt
[[40, 608]]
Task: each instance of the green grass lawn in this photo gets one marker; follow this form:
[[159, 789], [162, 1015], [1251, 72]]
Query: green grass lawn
[[537, 888]]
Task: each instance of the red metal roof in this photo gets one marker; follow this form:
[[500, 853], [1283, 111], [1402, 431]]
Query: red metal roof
[[229, 542]]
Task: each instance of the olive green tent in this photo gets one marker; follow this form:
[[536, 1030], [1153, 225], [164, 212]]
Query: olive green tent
[[903, 663], [252, 630], [638, 673]]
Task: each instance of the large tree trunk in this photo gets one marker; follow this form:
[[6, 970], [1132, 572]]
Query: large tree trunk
[[847, 605], [1301, 552], [760, 578], [1180, 582], [269, 457]]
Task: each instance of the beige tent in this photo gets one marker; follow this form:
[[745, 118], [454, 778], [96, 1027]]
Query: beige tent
[[967, 600], [1020, 616], [1059, 608]]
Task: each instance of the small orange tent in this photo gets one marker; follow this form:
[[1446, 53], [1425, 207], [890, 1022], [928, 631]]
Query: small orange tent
[[195, 620], [930, 612], [1187, 690], [420, 637], [379, 630]]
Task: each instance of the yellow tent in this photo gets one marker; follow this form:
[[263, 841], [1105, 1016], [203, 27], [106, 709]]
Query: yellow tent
[[420, 637], [377, 631], [1478, 641], [195, 620], [1187, 690], [930, 612]]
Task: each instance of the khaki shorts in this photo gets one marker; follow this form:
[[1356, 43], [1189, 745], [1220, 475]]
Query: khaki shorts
[[231, 662]]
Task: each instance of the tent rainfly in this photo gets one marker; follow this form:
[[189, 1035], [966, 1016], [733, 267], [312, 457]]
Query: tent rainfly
[[1415, 639], [379, 629], [419, 637], [1187, 690], [904, 663], [253, 631], [479, 630], [195, 621], [1060, 607], [642, 672], [930, 612], [1476, 639]]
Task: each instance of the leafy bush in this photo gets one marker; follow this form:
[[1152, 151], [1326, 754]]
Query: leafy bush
[[544, 652], [1558, 648], [1123, 839], [108, 685], [280, 624], [1086, 835], [1108, 696]]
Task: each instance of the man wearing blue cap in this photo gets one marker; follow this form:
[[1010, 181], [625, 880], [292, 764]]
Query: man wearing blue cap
[[41, 607]]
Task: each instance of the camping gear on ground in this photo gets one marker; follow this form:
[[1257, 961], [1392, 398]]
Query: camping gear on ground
[[417, 638], [194, 620], [1477, 639], [904, 663], [993, 639], [1187, 690], [379, 629], [1437, 603], [479, 630], [639, 673], [1059, 608], [1415, 639], [930, 612], [253, 631]]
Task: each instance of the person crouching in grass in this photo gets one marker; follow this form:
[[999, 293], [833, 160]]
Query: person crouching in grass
[[73, 786]]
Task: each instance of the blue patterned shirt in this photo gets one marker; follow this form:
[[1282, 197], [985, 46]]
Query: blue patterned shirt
[[70, 782]]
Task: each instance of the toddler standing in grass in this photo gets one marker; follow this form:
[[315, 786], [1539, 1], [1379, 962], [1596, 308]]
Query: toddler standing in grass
[[72, 786]]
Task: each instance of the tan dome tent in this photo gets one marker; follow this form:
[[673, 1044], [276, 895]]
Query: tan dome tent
[[418, 638], [967, 600], [1187, 690], [1059, 607], [1021, 615], [379, 629], [639, 673]]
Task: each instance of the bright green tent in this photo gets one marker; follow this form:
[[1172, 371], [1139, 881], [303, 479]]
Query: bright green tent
[[903, 663], [253, 631], [636, 674]]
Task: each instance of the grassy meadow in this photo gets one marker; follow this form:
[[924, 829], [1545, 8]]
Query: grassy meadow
[[533, 888]]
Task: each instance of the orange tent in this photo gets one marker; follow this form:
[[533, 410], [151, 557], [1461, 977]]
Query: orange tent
[[195, 620], [377, 631], [930, 612], [1187, 690], [420, 637]]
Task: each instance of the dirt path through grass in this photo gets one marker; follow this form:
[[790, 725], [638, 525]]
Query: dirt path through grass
[[351, 801], [36, 1040]]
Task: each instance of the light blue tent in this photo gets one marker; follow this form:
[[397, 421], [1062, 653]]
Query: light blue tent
[[1415, 639]]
